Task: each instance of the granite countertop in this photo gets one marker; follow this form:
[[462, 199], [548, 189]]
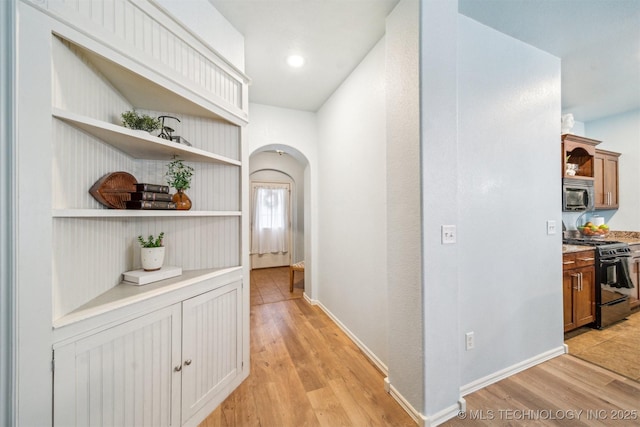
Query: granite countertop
[[567, 249], [629, 237]]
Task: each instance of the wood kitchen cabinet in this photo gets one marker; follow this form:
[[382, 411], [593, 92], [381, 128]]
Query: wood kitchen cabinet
[[578, 288], [606, 179], [580, 151]]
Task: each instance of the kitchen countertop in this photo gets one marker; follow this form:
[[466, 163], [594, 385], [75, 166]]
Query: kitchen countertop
[[567, 249], [628, 237]]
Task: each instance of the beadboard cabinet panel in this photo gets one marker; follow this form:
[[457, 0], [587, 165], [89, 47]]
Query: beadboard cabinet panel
[[92, 253], [210, 321], [141, 27], [122, 376], [80, 160]]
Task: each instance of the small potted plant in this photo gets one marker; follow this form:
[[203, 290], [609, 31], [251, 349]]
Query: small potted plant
[[151, 252], [179, 177], [134, 120]]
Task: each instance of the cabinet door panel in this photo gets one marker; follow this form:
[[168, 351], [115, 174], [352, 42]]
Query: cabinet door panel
[[121, 376], [584, 298], [211, 356], [611, 180], [569, 280]]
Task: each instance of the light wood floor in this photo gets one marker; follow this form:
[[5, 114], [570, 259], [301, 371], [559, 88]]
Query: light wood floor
[[306, 372]]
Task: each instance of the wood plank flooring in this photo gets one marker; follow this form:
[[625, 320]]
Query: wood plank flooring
[[564, 391], [306, 372]]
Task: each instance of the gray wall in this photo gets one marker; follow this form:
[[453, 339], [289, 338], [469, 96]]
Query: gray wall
[[7, 194], [404, 281], [621, 133], [508, 180]]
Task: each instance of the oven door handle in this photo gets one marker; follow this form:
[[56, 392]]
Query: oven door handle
[[611, 261]]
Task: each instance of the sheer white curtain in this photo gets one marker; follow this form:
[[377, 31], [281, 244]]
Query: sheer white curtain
[[270, 219]]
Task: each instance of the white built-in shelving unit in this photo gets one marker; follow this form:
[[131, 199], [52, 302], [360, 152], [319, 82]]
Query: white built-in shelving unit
[[169, 352]]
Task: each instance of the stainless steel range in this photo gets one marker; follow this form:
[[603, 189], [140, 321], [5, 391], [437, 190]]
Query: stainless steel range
[[612, 275]]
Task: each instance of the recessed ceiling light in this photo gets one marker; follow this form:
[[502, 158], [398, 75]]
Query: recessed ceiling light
[[295, 61]]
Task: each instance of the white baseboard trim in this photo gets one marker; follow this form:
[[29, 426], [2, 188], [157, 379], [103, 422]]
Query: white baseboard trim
[[446, 414], [511, 370], [370, 355], [409, 409]]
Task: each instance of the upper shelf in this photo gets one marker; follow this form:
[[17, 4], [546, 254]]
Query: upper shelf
[[146, 89], [137, 144]]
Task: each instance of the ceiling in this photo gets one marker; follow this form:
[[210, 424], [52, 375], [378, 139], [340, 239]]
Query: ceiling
[[597, 40]]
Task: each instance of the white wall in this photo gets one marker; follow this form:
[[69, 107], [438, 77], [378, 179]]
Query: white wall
[[439, 158], [404, 261], [206, 22], [621, 133], [352, 204], [510, 271]]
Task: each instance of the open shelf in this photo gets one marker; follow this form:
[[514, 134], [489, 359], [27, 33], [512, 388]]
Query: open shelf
[[137, 144], [146, 89], [125, 294], [134, 213]]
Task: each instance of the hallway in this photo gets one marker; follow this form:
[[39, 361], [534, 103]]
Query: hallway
[[304, 370]]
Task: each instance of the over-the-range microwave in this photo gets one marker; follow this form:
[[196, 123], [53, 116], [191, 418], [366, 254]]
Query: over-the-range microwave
[[577, 195]]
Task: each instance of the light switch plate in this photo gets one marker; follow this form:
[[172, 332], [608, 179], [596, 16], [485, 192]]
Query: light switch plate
[[448, 234], [551, 227]]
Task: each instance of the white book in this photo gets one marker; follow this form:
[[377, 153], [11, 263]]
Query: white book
[[141, 277]]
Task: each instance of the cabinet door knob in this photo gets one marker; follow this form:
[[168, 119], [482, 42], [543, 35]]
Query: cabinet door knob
[[187, 362], [178, 368]]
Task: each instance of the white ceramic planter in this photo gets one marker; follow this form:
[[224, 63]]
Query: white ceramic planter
[[152, 258]]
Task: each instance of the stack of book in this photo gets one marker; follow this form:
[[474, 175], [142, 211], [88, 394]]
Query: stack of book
[[151, 196]]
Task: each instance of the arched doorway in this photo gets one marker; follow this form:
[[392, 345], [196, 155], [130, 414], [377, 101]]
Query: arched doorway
[[284, 164]]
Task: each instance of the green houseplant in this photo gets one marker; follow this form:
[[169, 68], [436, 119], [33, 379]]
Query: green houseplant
[[151, 242], [151, 252], [179, 177], [134, 120]]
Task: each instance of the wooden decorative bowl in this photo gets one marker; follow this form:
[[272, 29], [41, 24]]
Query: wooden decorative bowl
[[114, 189]]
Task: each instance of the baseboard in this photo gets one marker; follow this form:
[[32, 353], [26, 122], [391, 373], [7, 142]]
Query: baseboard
[[370, 355], [409, 409], [446, 414], [511, 370]]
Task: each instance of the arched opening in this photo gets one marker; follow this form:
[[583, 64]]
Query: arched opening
[[280, 164]]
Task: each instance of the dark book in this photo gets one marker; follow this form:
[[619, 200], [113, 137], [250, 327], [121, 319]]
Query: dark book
[[149, 204], [153, 188], [148, 195]]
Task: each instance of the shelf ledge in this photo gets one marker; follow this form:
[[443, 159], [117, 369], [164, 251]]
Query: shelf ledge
[[125, 294], [138, 144], [137, 213]]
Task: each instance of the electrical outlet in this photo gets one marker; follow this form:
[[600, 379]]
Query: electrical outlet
[[448, 234], [469, 341], [551, 227]]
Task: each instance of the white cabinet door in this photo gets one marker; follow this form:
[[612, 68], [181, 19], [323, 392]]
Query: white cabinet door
[[211, 352], [122, 376]]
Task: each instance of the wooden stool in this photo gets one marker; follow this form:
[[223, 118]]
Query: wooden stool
[[298, 266]]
